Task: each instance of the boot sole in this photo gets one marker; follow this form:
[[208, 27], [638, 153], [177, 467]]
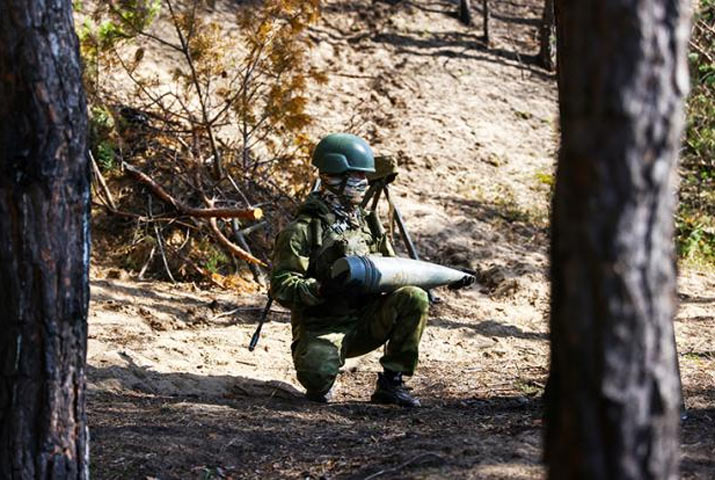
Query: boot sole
[[386, 400]]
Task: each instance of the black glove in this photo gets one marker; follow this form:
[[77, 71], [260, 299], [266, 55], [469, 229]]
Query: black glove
[[334, 286]]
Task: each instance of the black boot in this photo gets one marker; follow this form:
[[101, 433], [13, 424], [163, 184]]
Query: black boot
[[319, 397], [390, 389]]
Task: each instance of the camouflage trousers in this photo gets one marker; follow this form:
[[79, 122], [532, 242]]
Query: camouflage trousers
[[397, 319]]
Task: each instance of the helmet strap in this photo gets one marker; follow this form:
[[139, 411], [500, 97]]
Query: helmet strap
[[343, 184]]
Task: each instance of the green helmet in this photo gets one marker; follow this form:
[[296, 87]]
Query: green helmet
[[342, 152]]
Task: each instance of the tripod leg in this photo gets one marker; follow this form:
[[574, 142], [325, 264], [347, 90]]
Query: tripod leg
[[411, 250], [375, 187]]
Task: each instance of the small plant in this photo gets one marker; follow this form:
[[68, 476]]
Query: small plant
[[216, 260], [103, 29], [695, 240], [102, 136], [547, 179], [529, 388]]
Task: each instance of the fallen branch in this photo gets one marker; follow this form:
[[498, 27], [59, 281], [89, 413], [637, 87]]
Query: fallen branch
[[241, 239], [102, 182], [232, 247], [163, 253], [696, 46], [249, 230], [142, 218], [202, 271], [158, 190], [146, 264], [160, 243]]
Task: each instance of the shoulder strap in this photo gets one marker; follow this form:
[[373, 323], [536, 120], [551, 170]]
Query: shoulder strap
[[316, 232]]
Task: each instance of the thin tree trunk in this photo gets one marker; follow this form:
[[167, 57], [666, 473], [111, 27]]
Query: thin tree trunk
[[485, 20], [613, 394], [547, 35], [44, 243], [465, 12]]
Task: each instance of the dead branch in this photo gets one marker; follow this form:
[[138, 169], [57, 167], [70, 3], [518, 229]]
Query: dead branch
[[249, 230], [163, 253], [696, 46], [143, 218], [158, 190], [234, 249], [160, 242], [146, 264], [199, 92], [102, 182], [258, 275], [231, 247], [248, 309], [203, 272]]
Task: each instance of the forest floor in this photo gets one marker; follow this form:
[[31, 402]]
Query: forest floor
[[173, 391]]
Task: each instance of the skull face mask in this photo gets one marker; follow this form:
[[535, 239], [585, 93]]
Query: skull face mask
[[349, 188], [355, 188]]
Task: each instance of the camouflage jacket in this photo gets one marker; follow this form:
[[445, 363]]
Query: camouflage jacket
[[304, 252]]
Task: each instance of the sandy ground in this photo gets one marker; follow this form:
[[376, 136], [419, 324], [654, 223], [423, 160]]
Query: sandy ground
[[174, 392]]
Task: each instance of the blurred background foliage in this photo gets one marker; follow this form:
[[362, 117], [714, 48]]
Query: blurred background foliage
[[696, 209]]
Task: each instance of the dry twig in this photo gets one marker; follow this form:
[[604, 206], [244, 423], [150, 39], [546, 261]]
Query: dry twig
[[102, 182], [160, 243], [201, 271], [231, 247], [158, 190], [146, 264]]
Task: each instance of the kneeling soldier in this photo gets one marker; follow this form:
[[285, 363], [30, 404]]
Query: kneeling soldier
[[331, 324]]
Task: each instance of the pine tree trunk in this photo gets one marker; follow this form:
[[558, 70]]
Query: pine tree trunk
[[44, 243], [547, 33], [465, 12], [485, 20], [613, 393]]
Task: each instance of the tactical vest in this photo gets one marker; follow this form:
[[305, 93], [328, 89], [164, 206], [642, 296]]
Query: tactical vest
[[329, 244]]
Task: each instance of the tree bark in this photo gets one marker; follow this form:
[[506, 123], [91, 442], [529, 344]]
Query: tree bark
[[485, 20], [613, 393], [465, 12], [547, 32], [44, 243]]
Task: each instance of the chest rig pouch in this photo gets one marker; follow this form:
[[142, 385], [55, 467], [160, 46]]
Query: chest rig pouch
[[331, 243]]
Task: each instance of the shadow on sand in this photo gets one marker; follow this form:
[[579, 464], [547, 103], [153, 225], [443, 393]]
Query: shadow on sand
[[257, 429]]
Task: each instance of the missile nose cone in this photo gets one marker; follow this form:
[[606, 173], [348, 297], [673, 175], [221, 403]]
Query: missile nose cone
[[384, 274]]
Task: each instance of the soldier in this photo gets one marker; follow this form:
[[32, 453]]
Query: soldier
[[330, 324]]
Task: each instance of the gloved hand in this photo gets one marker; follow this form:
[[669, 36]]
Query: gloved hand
[[334, 286]]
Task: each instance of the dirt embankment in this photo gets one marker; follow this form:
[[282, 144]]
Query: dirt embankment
[[173, 391]]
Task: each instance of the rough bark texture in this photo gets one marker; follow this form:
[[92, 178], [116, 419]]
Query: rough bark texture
[[547, 32], [485, 20], [613, 393], [465, 12], [44, 243]]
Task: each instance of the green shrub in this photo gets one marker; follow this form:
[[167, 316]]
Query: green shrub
[[696, 210], [101, 137]]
